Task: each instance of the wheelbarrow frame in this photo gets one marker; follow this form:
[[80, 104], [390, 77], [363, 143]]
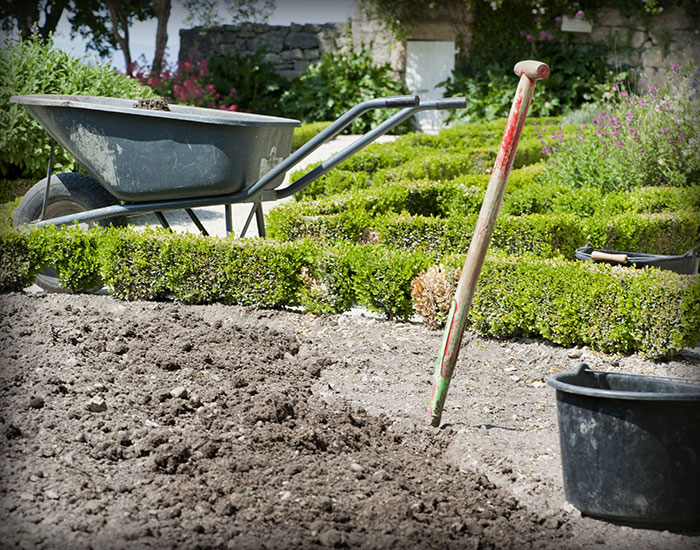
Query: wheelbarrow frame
[[264, 189]]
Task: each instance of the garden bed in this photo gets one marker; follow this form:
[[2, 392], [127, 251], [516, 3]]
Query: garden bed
[[162, 425]]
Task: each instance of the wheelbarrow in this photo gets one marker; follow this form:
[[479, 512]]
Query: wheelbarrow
[[141, 161]]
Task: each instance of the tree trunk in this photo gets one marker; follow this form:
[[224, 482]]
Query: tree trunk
[[162, 11], [28, 15], [119, 19]]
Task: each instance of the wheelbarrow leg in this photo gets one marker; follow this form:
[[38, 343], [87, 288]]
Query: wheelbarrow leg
[[260, 219], [162, 220], [48, 179], [256, 211], [196, 221], [228, 213]]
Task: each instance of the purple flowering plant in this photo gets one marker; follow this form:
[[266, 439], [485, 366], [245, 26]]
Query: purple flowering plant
[[635, 139]]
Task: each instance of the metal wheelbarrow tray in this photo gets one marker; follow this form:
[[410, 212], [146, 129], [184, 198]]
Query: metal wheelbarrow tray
[[686, 264], [143, 161], [140, 155]]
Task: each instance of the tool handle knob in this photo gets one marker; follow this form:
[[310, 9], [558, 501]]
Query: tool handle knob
[[532, 69]]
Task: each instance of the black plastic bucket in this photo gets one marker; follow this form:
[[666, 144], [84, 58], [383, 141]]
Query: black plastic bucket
[[686, 264], [630, 446]]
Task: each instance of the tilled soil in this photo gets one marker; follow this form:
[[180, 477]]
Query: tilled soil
[[158, 425]]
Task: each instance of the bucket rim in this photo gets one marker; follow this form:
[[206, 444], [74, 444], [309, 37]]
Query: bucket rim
[[558, 384]]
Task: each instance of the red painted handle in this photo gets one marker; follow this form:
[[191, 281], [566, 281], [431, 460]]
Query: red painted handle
[[532, 69]]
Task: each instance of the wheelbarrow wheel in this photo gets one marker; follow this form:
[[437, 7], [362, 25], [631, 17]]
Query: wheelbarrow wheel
[[69, 193]]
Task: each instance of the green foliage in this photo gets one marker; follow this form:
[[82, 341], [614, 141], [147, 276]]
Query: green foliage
[[464, 153], [337, 83], [19, 263], [328, 281], [131, 266], [501, 37], [35, 67], [257, 84], [10, 189], [382, 279], [307, 132], [154, 264], [612, 309], [637, 140]]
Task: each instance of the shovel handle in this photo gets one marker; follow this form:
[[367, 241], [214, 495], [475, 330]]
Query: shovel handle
[[598, 256]]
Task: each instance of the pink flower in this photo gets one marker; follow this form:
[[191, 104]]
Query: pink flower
[[579, 14]]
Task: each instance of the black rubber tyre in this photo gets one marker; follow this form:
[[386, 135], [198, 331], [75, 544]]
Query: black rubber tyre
[[70, 193]]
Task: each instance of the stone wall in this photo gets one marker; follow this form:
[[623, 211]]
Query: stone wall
[[649, 47], [289, 48]]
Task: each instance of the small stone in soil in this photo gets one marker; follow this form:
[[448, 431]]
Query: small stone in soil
[[96, 404], [179, 392], [36, 403]]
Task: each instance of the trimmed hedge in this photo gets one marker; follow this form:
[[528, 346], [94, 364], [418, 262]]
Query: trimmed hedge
[[550, 235], [613, 309], [394, 163], [153, 264], [19, 264], [307, 132]]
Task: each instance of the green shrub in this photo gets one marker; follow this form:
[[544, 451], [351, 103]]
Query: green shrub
[[258, 87], [306, 133], [154, 264], [19, 264], [328, 283], [637, 140], [338, 82], [130, 265], [34, 67], [71, 252], [613, 309], [382, 279], [547, 235]]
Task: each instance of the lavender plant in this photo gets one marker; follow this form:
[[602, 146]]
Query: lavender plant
[[634, 140]]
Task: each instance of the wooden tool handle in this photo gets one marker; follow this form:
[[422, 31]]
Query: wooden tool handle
[[607, 257], [532, 69]]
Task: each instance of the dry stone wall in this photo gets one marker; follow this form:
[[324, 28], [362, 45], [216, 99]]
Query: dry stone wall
[[649, 46], [290, 49]]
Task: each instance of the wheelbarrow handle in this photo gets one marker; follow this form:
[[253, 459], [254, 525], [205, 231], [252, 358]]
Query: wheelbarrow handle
[[369, 137], [401, 101], [451, 103]]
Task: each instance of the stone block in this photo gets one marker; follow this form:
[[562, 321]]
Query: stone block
[[294, 53], [652, 57], [269, 41], [289, 73], [301, 64], [303, 40], [272, 58], [312, 54]]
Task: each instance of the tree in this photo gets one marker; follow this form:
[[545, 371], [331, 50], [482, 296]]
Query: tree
[[161, 8], [26, 14], [106, 24]]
